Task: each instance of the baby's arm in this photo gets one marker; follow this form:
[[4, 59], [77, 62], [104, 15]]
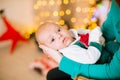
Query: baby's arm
[[96, 36]]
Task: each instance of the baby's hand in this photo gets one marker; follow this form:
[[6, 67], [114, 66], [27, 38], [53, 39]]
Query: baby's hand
[[102, 40], [52, 53]]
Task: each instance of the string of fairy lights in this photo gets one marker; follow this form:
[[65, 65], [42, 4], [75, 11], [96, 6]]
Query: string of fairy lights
[[73, 13], [70, 13]]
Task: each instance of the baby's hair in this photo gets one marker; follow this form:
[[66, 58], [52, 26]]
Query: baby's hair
[[48, 22], [41, 27]]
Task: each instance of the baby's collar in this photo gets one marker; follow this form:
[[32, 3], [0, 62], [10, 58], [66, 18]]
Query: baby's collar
[[75, 35]]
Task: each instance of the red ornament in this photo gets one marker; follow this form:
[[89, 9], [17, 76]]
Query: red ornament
[[84, 39], [11, 34], [44, 64]]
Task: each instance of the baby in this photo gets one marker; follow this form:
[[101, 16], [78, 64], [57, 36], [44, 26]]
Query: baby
[[82, 46]]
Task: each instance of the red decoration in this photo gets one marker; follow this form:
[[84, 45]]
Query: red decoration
[[84, 39], [44, 64], [11, 34]]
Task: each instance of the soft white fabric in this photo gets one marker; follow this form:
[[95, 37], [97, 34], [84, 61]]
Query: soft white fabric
[[95, 35], [79, 54]]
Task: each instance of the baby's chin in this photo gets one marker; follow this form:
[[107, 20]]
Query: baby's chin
[[68, 43]]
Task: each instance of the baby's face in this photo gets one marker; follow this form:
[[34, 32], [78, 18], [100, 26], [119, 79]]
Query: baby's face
[[55, 37]]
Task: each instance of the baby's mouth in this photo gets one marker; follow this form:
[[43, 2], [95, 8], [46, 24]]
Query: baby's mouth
[[64, 40]]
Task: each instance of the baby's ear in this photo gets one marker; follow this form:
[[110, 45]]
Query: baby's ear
[[41, 50]]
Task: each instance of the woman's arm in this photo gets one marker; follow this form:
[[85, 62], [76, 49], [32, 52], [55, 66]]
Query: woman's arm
[[111, 25], [110, 29], [95, 71]]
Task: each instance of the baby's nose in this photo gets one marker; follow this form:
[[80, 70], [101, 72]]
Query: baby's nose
[[59, 35]]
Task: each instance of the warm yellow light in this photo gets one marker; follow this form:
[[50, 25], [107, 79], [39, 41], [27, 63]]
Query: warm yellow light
[[40, 23], [86, 20], [65, 1], [41, 14], [51, 2], [85, 10], [27, 35], [61, 22], [75, 27], [92, 2], [72, 1], [39, 3], [83, 26], [37, 18], [47, 14], [78, 9], [29, 32], [68, 11], [55, 13], [59, 2], [44, 3], [36, 7], [92, 9], [73, 19], [61, 13]]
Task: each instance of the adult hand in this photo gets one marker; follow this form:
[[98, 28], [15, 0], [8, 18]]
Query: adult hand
[[52, 53], [102, 40]]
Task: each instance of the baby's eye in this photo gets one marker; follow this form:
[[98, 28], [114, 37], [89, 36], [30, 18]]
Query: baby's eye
[[59, 30], [52, 40]]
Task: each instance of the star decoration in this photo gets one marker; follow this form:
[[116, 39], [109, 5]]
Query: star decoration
[[11, 34]]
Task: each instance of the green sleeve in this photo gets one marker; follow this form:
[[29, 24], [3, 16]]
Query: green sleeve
[[99, 71], [111, 31], [97, 45], [111, 26]]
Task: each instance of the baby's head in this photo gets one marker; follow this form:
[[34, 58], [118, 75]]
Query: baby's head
[[53, 36]]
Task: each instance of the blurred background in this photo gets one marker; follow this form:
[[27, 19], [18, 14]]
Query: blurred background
[[19, 19]]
